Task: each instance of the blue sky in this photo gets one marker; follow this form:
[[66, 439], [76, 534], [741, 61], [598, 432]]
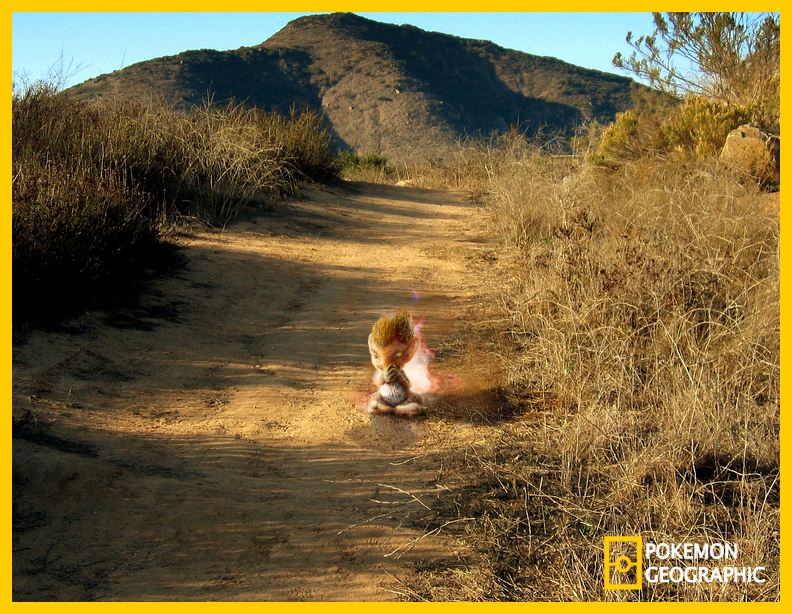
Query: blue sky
[[90, 44]]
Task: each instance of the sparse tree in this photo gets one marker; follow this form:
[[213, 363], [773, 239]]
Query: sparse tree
[[727, 58]]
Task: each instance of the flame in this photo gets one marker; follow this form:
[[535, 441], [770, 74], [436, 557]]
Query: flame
[[421, 380]]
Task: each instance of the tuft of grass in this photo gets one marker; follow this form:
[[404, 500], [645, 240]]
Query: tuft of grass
[[477, 165], [639, 329]]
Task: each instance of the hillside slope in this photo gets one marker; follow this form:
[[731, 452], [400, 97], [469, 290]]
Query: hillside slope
[[395, 90]]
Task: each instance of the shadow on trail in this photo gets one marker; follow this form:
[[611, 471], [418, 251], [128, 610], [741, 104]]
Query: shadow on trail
[[143, 469], [407, 194], [240, 518], [360, 212]]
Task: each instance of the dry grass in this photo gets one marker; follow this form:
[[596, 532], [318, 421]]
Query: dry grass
[[94, 184], [639, 333], [213, 161]]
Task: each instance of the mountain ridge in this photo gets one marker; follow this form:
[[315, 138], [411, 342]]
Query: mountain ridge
[[398, 91]]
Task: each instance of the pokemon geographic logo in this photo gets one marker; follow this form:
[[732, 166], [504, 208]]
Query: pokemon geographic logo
[[628, 562]]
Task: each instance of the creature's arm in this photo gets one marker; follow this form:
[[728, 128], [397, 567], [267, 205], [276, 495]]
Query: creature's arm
[[394, 375], [411, 406]]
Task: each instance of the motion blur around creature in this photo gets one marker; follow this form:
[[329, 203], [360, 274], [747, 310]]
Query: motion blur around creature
[[393, 343]]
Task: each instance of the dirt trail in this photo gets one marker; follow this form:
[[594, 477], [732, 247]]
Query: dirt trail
[[207, 443]]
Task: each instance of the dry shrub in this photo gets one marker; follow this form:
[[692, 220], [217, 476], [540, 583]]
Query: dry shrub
[[645, 302], [73, 230], [76, 222], [92, 183], [213, 161]]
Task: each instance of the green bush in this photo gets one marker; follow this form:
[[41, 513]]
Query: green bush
[[349, 160], [732, 59], [623, 139], [694, 129], [369, 166], [700, 127]]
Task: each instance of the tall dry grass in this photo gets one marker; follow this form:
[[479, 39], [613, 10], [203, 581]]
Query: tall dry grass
[[94, 183], [214, 160], [639, 335]]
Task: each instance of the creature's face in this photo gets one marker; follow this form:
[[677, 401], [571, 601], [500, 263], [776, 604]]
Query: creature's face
[[395, 352]]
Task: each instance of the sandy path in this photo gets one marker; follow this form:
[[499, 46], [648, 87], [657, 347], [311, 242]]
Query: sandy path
[[207, 443]]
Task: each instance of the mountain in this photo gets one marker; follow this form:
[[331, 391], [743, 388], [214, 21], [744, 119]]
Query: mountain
[[398, 91]]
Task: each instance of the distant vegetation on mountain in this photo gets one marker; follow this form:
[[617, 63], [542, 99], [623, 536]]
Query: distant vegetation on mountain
[[398, 91]]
